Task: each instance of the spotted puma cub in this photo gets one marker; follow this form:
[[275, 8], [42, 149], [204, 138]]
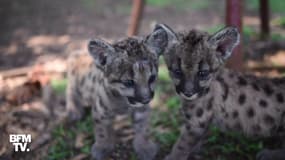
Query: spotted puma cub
[[115, 80], [211, 94]]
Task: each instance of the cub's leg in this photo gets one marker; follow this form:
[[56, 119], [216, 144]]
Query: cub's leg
[[74, 108], [104, 134], [192, 133], [144, 147], [187, 143]]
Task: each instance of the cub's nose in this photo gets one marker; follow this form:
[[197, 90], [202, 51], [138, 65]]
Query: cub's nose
[[145, 100], [188, 94]]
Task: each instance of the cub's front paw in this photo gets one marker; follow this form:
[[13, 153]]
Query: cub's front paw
[[145, 149], [265, 154], [99, 152]]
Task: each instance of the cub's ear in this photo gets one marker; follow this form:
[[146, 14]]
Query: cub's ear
[[161, 39], [224, 41], [100, 50]]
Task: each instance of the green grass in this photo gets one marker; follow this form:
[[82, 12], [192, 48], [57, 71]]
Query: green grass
[[276, 6], [277, 37], [63, 146], [248, 33], [163, 74], [280, 22], [168, 125], [159, 3], [124, 9], [89, 4], [181, 4], [59, 86], [247, 30], [225, 145], [214, 29]]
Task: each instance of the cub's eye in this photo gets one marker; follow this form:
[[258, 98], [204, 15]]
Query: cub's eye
[[203, 74], [177, 73], [151, 79], [128, 83]]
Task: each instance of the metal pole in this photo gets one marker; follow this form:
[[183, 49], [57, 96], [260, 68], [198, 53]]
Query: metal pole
[[135, 18]]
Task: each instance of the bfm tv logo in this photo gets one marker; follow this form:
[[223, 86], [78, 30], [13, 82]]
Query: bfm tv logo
[[20, 142]]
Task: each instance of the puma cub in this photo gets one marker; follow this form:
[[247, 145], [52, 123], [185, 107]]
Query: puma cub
[[116, 79], [212, 94]]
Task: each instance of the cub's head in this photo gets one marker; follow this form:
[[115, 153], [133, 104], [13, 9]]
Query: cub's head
[[130, 66], [194, 58]]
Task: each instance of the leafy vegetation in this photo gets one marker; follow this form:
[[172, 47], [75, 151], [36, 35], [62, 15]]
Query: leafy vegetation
[[276, 6], [280, 22], [224, 145], [59, 85], [64, 139], [181, 4]]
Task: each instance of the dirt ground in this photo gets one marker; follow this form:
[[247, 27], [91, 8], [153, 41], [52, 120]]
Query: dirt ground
[[36, 31]]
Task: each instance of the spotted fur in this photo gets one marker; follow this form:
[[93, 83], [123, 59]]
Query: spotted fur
[[211, 94], [114, 80]]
